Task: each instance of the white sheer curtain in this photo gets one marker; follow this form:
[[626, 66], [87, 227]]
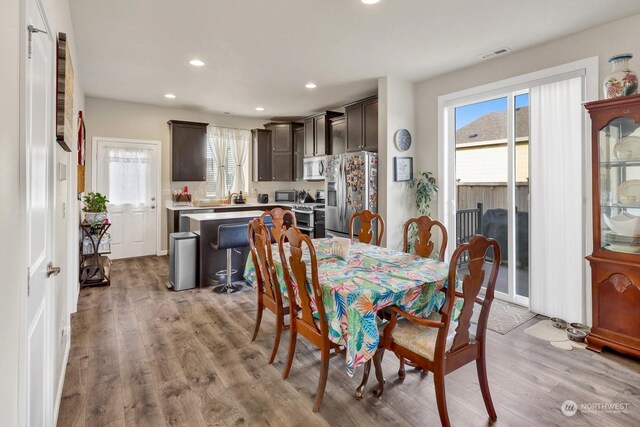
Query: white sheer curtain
[[128, 173], [240, 153], [217, 139], [557, 257]]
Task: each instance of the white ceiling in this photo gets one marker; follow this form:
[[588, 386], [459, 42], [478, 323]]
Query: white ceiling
[[262, 52]]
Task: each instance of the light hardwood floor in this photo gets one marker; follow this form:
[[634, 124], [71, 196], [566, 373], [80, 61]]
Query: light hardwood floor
[[142, 355]]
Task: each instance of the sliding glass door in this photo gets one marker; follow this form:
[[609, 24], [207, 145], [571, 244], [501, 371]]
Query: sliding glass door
[[491, 189]]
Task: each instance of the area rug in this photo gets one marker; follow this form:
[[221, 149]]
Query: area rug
[[504, 317], [545, 331]]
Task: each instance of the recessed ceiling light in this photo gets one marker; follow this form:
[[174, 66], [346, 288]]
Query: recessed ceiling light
[[310, 85], [370, 1], [259, 108], [196, 63], [169, 95]]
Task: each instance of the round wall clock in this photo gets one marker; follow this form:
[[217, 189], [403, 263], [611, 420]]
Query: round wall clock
[[403, 139]]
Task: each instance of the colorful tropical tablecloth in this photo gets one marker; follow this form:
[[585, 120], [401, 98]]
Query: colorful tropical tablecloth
[[369, 279]]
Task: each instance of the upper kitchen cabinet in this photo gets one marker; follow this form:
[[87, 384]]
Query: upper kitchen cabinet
[[262, 155], [317, 134], [188, 151], [282, 150], [298, 153], [362, 125], [338, 135]]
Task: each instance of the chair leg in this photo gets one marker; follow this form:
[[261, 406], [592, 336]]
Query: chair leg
[[276, 342], [401, 371], [365, 378], [292, 350], [484, 387], [259, 311], [377, 362], [441, 398], [324, 374]]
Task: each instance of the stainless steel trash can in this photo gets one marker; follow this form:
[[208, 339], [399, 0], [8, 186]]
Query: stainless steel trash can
[[183, 260]]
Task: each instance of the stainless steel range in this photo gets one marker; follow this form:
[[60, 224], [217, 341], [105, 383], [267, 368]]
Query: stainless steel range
[[310, 215], [305, 216]]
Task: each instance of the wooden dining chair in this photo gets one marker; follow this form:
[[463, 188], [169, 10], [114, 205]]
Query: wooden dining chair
[[440, 345], [311, 324], [278, 217], [268, 288], [423, 245], [365, 235]]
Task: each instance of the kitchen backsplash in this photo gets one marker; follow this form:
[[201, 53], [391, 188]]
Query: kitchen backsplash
[[199, 189]]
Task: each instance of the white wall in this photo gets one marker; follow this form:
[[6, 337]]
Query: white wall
[[12, 255], [64, 296], [603, 41], [119, 119], [13, 283], [396, 106]]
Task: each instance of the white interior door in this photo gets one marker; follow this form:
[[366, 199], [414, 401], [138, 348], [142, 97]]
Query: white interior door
[[127, 173], [39, 156]]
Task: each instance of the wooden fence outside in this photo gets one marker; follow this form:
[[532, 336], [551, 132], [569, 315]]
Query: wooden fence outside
[[492, 195]]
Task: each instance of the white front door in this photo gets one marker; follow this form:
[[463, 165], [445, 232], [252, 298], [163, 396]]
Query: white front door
[[127, 173], [39, 156]]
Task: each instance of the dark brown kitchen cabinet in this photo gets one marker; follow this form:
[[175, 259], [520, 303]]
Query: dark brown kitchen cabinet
[[262, 154], [282, 150], [298, 153], [188, 150], [338, 136], [317, 134], [362, 125]]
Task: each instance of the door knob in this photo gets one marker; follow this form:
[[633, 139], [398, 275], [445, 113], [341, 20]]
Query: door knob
[[153, 206], [51, 270], [153, 199]]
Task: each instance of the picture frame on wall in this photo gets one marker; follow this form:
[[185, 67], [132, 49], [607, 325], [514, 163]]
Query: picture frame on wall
[[402, 169], [64, 94]]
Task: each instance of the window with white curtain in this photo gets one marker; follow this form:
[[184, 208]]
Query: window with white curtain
[[233, 144], [128, 175]]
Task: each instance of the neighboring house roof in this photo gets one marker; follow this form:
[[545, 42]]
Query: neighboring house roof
[[493, 127]]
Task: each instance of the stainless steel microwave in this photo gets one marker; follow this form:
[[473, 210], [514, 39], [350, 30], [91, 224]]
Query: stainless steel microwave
[[286, 196], [314, 168]]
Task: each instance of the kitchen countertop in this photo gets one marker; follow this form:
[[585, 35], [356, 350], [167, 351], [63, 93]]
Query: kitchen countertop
[[223, 215], [170, 206]]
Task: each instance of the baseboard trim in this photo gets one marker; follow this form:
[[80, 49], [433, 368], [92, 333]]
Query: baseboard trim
[[163, 253], [56, 408]]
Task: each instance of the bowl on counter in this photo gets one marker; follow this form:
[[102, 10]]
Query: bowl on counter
[[576, 335], [558, 323]]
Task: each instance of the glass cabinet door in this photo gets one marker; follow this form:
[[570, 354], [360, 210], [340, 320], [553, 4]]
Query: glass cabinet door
[[620, 186]]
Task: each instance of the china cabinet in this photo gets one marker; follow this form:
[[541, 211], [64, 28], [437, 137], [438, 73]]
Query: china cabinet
[[615, 262]]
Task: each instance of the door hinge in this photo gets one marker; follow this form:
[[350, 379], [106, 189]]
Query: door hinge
[[28, 281], [32, 30]]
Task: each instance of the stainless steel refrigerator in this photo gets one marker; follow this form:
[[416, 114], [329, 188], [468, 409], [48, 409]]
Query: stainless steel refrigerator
[[351, 185]]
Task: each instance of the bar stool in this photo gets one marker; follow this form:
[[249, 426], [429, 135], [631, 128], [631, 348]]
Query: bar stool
[[230, 237]]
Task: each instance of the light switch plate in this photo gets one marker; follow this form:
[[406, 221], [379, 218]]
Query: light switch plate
[[62, 171]]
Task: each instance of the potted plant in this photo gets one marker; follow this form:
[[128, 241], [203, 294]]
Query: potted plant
[[424, 184], [95, 207]]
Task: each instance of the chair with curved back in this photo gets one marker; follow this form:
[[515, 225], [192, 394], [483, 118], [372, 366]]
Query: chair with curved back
[[268, 287], [423, 245], [439, 344], [308, 316], [278, 217], [365, 235]]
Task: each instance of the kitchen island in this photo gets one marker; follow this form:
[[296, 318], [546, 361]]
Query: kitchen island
[[205, 225], [177, 214]]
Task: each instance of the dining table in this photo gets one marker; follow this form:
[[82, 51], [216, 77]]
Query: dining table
[[369, 278]]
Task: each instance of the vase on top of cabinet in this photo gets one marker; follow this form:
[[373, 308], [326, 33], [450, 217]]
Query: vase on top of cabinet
[[615, 261]]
